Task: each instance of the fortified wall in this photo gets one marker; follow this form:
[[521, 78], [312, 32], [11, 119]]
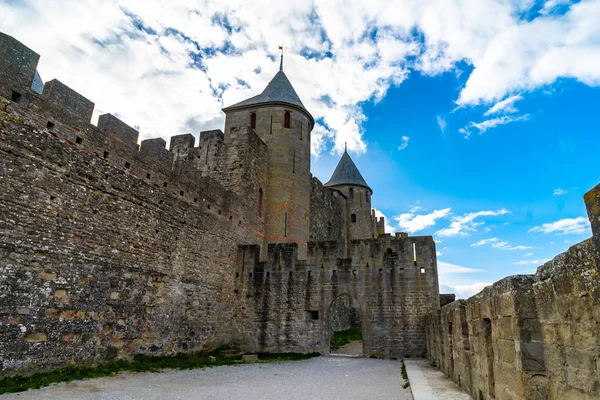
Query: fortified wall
[[528, 336], [393, 280], [109, 248]]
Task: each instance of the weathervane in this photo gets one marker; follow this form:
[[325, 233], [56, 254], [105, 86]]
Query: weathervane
[[281, 63]]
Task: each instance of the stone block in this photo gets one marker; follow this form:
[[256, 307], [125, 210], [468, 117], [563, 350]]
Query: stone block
[[250, 357], [18, 64], [110, 124], [64, 96]]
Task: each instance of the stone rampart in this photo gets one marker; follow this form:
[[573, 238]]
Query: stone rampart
[[291, 298], [528, 336]]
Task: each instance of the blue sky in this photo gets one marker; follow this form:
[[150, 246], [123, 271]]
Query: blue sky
[[474, 122]]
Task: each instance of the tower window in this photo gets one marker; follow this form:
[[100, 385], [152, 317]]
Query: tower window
[[353, 218], [260, 199], [286, 120], [351, 195], [253, 120], [367, 196]]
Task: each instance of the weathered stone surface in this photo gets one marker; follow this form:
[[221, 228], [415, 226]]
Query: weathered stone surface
[[109, 250], [527, 336]]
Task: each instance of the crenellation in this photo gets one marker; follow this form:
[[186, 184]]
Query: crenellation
[[109, 245], [108, 123], [62, 95], [18, 64]]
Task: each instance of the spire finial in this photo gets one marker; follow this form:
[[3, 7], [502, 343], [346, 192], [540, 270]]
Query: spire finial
[[345, 147], [281, 62]]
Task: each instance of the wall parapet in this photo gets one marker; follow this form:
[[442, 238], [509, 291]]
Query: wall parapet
[[528, 336]]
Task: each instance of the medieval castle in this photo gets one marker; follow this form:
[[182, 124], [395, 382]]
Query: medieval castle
[[109, 249]]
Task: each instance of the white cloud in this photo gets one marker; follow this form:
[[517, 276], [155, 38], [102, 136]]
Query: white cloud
[[481, 127], [506, 106], [567, 226], [559, 192], [528, 254], [411, 223], [445, 268], [455, 279], [460, 225], [404, 143], [484, 241], [497, 244], [192, 58], [441, 121], [388, 228], [532, 262], [438, 253]]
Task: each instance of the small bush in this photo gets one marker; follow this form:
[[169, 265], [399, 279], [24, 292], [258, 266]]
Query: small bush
[[342, 338]]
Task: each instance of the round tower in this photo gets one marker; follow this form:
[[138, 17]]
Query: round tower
[[282, 122], [346, 179]]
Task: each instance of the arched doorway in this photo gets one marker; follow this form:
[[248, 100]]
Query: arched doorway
[[345, 325]]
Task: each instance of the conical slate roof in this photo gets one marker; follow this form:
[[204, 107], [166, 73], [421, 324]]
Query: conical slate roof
[[346, 173], [279, 90]]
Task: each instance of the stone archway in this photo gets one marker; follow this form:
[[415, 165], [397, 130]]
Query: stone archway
[[345, 325]]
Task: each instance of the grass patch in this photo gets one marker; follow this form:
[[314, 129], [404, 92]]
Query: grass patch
[[140, 363], [342, 338], [405, 376]]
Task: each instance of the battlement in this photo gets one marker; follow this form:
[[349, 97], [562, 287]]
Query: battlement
[[66, 114]]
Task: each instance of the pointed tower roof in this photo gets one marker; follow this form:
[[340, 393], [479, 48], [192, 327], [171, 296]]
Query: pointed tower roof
[[278, 91], [346, 173]]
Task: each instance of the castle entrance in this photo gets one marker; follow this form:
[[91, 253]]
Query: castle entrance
[[345, 324]]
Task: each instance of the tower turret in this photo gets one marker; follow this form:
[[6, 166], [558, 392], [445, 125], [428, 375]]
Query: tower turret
[[280, 119], [347, 179]]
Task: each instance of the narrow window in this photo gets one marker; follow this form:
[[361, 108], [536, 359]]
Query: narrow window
[[16, 97], [313, 315], [329, 230], [260, 200], [301, 126], [105, 155], [78, 140], [127, 165], [148, 176], [351, 195], [415, 253], [165, 184], [271, 126], [294, 163], [286, 120], [50, 126], [181, 192], [285, 225], [353, 218], [367, 196], [253, 120], [195, 199]]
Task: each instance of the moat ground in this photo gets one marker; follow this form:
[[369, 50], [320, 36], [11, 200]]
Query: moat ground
[[317, 378]]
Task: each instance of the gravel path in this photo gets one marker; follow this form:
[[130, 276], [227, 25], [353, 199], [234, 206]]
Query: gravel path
[[335, 378]]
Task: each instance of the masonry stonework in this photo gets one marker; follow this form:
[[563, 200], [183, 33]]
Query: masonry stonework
[[110, 248], [528, 336]]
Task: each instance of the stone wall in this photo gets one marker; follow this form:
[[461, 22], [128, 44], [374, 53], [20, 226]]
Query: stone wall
[[109, 248], [291, 298], [96, 263], [528, 336]]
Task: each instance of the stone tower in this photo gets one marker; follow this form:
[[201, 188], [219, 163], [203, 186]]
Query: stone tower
[[280, 119], [348, 180]]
